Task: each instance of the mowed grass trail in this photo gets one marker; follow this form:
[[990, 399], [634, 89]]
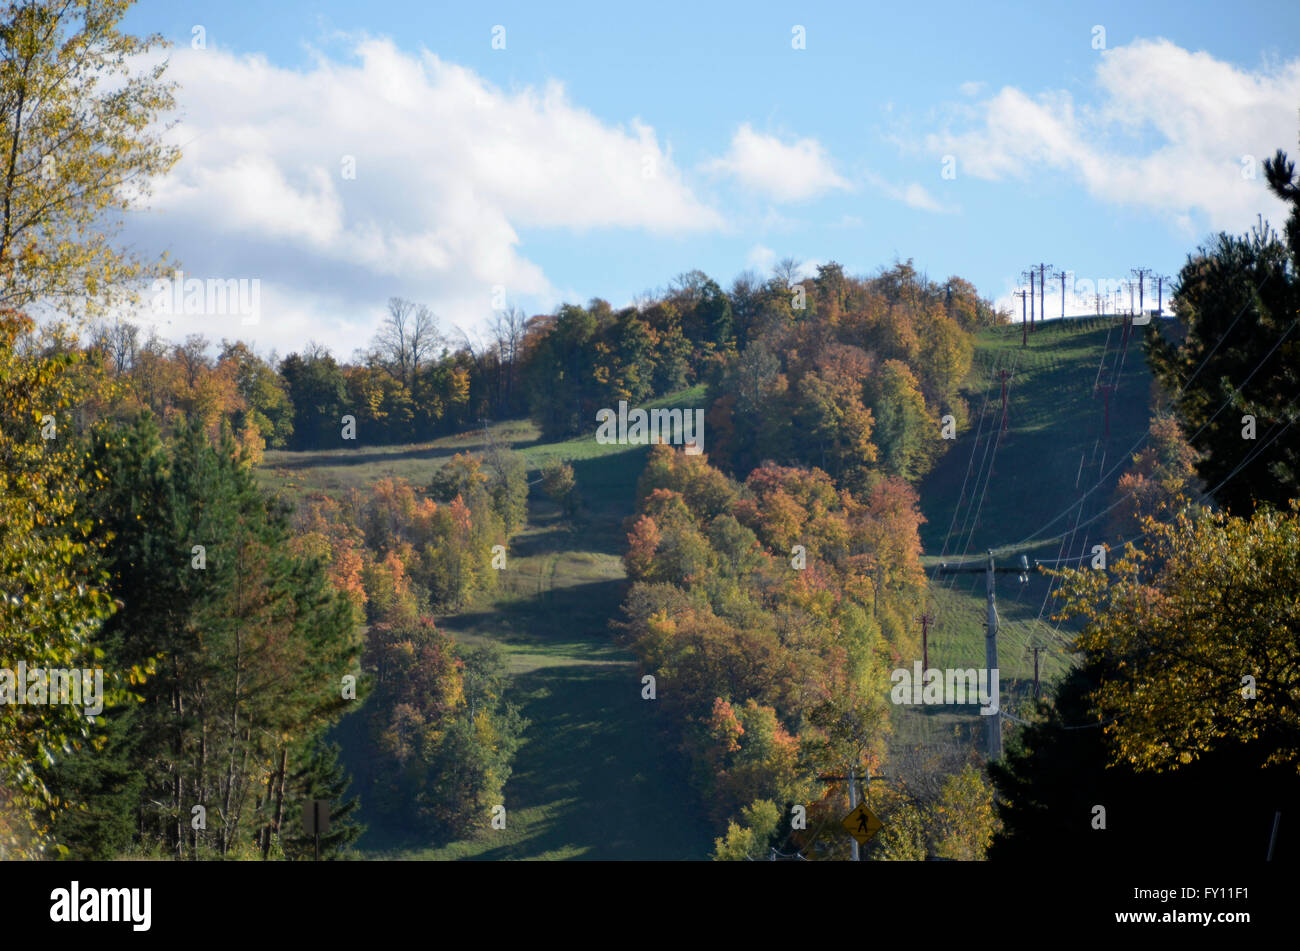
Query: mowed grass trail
[[593, 778], [988, 492]]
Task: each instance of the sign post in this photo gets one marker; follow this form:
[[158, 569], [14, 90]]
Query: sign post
[[862, 824], [316, 820]]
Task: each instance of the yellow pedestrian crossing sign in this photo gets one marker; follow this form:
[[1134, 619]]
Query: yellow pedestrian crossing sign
[[862, 824]]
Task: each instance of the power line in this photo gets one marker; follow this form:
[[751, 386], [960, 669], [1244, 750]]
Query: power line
[[1062, 274], [971, 459], [1042, 289], [1141, 274], [994, 441], [1142, 438]]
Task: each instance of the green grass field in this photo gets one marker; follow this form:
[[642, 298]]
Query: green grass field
[[993, 493], [593, 779], [1055, 447]]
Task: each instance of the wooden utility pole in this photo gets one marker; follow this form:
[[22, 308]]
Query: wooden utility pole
[[993, 730], [1030, 272], [1160, 288], [1141, 274], [1024, 327], [867, 780], [1106, 389], [1042, 290], [1061, 274], [1005, 375], [925, 620], [1036, 650]]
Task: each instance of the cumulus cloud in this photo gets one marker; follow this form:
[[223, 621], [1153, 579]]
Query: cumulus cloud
[[1173, 131], [345, 182], [778, 171], [912, 194]]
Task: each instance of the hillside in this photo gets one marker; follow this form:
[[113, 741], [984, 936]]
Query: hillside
[[1023, 488], [592, 779]]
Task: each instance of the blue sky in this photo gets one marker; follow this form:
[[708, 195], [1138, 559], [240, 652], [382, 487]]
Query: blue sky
[[609, 147]]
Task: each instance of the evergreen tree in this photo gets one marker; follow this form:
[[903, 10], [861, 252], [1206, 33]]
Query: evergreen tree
[[250, 641], [1238, 302]]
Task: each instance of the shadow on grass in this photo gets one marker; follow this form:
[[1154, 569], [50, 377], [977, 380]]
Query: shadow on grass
[[360, 457], [564, 615], [594, 759]]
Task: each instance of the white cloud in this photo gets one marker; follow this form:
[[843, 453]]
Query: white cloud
[[912, 194], [1169, 133], [447, 169], [778, 171], [760, 258]]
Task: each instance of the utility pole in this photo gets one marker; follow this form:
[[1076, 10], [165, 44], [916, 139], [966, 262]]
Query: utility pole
[[1141, 274], [1160, 287], [1036, 650], [867, 780], [853, 804], [993, 729], [1024, 327], [1061, 274], [1005, 375], [1042, 289], [1030, 272], [925, 620], [1106, 389]]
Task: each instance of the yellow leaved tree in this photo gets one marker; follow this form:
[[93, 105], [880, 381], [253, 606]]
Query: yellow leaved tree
[[79, 144], [1197, 634]]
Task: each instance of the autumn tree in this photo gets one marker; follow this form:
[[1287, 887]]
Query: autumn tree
[[443, 735], [264, 404], [80, 142], [750, 839], [1058, 769], [905, 428], [1162, 477], [559, 485], [965, 816], [250, 641], [53, 596], [1198, 633]]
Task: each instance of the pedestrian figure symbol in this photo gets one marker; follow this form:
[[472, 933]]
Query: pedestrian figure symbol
[[862, 824]]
